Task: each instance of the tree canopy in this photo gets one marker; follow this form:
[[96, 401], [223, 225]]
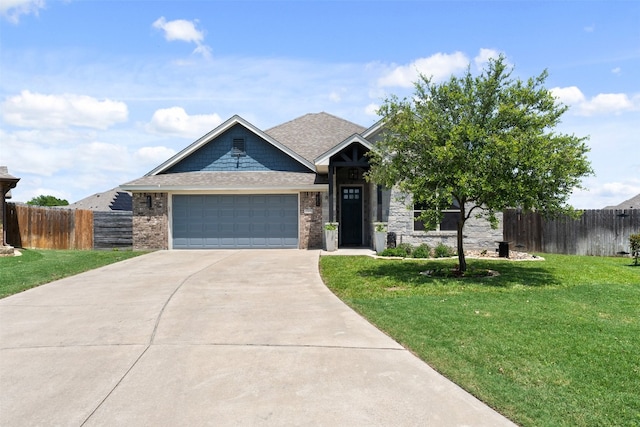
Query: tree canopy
[[487, 142], [46, 200]]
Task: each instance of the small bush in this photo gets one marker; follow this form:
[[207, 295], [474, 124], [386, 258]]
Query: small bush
[[399, 252], [634, 242], [406, 247], [422, 251], [443, 251]]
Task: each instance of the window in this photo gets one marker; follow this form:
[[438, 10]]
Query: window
[[350, 193], [238, 147], [449, 221]]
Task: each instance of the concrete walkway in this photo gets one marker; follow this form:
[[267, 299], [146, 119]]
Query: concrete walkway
[[211, 338]]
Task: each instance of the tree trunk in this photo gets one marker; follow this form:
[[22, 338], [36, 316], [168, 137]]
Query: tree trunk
[[462, 262]]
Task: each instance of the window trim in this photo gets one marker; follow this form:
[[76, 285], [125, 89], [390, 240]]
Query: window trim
[[421, 228]]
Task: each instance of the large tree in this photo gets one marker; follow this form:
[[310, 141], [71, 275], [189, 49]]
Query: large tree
[[47, 200], [486, 142]]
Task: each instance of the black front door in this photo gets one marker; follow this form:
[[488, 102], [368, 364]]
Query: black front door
[[351, 216]]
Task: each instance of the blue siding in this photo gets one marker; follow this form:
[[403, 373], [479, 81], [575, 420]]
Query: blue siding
[[216, 155]]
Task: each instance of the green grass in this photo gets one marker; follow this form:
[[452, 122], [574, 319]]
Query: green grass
[[549, 343], [36, 267]]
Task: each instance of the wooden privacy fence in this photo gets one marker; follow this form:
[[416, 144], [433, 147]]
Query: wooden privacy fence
[[112, 230], [58, 228], [597, 232]]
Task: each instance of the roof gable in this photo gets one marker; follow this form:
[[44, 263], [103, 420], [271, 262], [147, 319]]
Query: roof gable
[[324, 158], [213, 152], [373, 134], [313, 134]]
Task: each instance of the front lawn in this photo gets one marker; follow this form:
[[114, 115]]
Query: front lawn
[[546, 343], [38, 266]]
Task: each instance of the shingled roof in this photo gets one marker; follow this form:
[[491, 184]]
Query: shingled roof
[[632, 203], [225, 181], [314, 134], [115, 199]]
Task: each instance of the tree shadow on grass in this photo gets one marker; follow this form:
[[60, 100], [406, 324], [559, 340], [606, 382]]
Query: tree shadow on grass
[[510, 274]]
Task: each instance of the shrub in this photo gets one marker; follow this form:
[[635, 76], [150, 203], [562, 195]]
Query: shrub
[[406, 247], [443, 251], [422, 251], [634, 242], [400, 252]]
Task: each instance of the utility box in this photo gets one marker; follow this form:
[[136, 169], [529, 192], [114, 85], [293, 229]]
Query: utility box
[[503, 249]]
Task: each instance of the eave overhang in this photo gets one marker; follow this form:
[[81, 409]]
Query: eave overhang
[[322, 161]]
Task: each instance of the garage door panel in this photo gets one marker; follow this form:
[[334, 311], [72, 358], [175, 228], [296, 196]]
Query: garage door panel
[[240, 221]]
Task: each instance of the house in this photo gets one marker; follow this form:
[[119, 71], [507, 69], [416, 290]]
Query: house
[[115, 199], [242, 187], [7, 182], [632, 203]]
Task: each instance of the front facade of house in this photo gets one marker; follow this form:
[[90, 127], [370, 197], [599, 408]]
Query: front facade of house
[[242, 187]]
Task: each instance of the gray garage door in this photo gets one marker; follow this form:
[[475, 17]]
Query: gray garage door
[[247, 221]]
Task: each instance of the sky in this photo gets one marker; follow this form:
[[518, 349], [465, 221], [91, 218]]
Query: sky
[[96, 93]]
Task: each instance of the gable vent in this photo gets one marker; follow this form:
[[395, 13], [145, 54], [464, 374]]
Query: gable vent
[[238, 147]]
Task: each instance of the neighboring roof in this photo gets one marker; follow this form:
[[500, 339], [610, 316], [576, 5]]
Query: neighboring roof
[[115, 199], [224, 181], [314, 134], [228, 124], [7, 178], [632, 203]]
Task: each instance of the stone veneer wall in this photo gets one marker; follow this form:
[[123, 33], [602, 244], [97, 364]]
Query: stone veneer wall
[[2, 209], [150, 224], [311, 224], [478, 233]]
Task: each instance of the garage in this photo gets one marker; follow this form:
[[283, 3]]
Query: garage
[[235, 221]]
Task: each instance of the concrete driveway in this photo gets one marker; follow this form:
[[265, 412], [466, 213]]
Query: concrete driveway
[[211, 338]]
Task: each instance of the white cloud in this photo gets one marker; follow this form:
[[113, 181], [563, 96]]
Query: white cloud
[[35, 110], [32, 158], [179, 29], [183, 30], [203, 50], [484, 56], [604, 193], [616, 70], [335, 96], [104, 156], [175, 121], [13, 9], [439, 66], [603, 103], [371, 109], [571, 95], [153, 155], [74, 163], [606, 103]]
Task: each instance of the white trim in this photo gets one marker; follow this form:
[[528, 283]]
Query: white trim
[[373, 129], [236, 190], [323, 159], [228, 124], [298, 215], [170, 220], [170, 209]]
